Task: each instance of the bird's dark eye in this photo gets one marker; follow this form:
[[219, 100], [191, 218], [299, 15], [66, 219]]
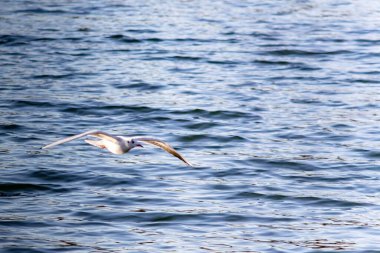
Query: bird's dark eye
[[133, 142]]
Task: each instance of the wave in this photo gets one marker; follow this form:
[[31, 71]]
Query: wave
[[301, 200], [298, 52]]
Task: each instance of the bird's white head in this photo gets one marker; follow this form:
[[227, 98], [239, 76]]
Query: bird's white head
[[132, 143]]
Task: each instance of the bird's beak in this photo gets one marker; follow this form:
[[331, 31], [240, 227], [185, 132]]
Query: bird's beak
[[139, 145]]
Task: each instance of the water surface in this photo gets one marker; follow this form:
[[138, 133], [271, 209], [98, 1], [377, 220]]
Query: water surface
[[276, 102]]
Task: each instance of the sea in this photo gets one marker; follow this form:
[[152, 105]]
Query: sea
[[275, 103]]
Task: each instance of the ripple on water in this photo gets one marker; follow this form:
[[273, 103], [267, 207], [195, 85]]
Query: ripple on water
[[8, 126], [218, 114], [9, 189], [14, 40], [305, 53], [123, 38], [105, 109], [138, 85], [321, 202]]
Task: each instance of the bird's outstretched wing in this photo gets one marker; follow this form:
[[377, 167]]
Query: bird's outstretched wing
[[96, 133], [164, 146]]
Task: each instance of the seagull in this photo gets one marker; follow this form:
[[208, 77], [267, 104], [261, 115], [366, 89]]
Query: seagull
[[119, 144]]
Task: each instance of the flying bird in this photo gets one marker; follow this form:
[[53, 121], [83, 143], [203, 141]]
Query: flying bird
[[119, 144]]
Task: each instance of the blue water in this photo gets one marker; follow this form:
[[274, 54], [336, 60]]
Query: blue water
[[275, 102]]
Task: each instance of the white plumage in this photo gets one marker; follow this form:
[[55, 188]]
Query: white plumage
[[120, 144]]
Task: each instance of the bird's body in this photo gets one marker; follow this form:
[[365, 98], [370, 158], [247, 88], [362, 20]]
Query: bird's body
[[118, 149], [119, 144]]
